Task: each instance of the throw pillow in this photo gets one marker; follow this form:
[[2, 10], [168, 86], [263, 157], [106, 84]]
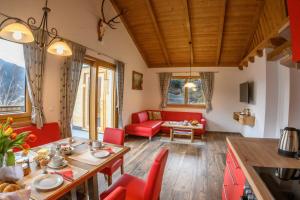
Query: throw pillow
[[156, 115], [150, 115]]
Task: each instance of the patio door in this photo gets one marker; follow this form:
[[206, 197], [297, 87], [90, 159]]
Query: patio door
[[95, 103]]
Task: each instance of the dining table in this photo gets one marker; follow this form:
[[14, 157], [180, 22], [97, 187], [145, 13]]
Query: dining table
[[83, 166]]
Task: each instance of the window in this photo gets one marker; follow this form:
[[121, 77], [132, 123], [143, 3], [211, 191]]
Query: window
[[180, 96], [13, 95]]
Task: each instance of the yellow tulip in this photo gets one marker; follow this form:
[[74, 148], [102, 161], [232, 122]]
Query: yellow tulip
[[8, 131]]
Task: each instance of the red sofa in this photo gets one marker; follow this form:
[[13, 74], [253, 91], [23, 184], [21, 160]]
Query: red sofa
[[49, 133], [142, 126]]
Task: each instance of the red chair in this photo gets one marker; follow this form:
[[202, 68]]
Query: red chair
[[118, 194], [139, 189], [113, 136]]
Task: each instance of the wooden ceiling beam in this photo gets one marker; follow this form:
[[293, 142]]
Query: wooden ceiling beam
[[280, 51], [258, 50], [189, 27], [202, 64], [158, 31], [221, 32], [255, 22], [125, 23]]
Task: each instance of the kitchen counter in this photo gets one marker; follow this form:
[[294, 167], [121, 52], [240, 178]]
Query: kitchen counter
[[251, 152]]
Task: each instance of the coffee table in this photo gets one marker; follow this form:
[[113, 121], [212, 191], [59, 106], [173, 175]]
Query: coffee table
[[181, 128]]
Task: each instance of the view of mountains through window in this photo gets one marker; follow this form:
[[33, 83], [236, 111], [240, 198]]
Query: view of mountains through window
[[12, 78]]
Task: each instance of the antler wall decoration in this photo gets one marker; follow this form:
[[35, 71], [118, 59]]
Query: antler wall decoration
[[103, 23]]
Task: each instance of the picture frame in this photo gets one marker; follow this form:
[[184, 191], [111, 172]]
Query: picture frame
[[137, 80]]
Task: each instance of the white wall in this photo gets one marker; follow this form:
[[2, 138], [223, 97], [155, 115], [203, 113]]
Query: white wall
[[256, 72], [225, 97], [76, 20]]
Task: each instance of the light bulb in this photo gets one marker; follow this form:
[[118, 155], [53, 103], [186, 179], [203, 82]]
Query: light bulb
[[60, 49], [17, 35]]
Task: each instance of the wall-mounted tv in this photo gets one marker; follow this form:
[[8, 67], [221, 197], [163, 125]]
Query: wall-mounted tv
[[246, 92]]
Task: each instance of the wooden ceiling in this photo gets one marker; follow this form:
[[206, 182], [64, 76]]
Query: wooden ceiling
[[221, 31]]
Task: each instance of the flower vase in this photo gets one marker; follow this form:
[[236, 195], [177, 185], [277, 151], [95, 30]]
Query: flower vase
[[7, 159]]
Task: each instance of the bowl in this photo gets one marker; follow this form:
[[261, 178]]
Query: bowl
[[66, 150]]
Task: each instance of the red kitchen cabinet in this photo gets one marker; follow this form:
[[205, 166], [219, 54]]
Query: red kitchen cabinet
[[234, 179]]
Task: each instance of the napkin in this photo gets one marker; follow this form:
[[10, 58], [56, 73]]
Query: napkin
[[109, 149], [66, 174], [17, 195], [11, 173]]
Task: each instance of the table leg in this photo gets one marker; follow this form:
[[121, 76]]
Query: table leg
[[171, 134], [73, 194], [192, 136], [93, 187]]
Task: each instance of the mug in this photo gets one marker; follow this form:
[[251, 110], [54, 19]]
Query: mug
[[57, 161], [96, 144]]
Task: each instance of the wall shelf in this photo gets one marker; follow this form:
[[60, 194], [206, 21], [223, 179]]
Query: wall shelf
[[244, 119]]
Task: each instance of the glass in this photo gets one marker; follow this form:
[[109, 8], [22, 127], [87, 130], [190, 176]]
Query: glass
[[195, 95], [176, 91], [80, 119], [12, 78], [105, 99]]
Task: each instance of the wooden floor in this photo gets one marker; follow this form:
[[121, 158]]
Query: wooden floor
[[193, 171]]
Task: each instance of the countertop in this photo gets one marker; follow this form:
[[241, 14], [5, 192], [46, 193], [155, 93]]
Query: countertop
[[251, 152]]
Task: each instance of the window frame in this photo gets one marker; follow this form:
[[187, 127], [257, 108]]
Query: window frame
[[186, 95], [22, 118]]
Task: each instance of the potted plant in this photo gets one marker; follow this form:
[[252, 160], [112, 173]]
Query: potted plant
[[10, 140]]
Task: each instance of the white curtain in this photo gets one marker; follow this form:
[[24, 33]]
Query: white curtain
[[120, 91], [164, 81], [70, 77], [34, 66], [207, 81]]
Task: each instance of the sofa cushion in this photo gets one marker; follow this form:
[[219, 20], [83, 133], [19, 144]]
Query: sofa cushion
[[148, 128], [180, 116], [156, 115], [140, 117]]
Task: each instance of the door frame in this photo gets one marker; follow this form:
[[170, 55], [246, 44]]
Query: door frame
[[95, 64]]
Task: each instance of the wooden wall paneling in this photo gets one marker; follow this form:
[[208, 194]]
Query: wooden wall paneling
[[124, 21], [254, 25], [273, 18], [221, 31], [158, 31], [186, 7]]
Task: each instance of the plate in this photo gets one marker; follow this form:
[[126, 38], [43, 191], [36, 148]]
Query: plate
[[50, 164], [48, 182], [100, 154]]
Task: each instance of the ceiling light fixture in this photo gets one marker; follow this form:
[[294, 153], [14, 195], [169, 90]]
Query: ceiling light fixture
[[189, 83], [16, 30]]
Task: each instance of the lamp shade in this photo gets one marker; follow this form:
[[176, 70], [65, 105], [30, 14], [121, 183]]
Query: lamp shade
[[189, 85], [60, 48], [17, 32]]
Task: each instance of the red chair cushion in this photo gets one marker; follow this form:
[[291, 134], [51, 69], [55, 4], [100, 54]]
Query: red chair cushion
[[111, 168], [49, 133], [155, 176], [138, 189], [134, 187], [118, 194], [114, 136]]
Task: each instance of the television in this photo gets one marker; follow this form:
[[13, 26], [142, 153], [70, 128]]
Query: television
[[246, 92]]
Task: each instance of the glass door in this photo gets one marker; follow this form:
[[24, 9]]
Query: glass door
[[105, 99], [80, 120]]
